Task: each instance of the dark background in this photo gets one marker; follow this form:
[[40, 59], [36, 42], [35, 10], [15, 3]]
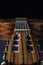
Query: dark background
[[21, 8]]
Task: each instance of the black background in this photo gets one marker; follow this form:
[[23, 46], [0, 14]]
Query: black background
[[21, 8]]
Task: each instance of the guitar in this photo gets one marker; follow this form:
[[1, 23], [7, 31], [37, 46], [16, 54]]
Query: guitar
[[22, 48]]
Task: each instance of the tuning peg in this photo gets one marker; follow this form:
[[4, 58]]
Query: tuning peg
[[15, 51], [6, 45], [5, 48], [4, 57], [15, 45], [3, 63], [5, 52]]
